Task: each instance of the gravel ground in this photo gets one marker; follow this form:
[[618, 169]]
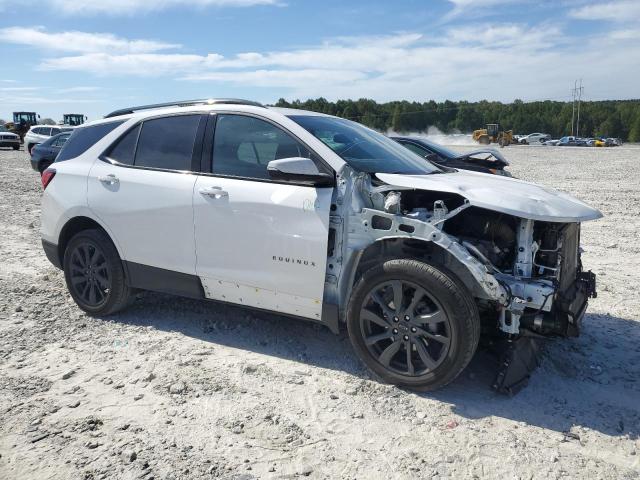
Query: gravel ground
[[175, 388]]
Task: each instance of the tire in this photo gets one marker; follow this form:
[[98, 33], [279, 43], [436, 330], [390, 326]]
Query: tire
[[387, 341], [30, 147], [16, 147], [98, 287]]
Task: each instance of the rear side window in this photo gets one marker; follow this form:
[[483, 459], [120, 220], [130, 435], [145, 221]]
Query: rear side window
[[167, 143], [124, 150], [84, 138]]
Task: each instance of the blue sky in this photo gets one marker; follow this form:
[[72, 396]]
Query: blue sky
[[91, 57]]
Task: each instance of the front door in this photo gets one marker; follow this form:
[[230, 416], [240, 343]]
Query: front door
[[260, 243]]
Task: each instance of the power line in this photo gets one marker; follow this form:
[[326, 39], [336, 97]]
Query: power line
[[580, 90]]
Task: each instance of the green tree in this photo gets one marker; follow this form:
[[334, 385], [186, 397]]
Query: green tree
[[634, 133]]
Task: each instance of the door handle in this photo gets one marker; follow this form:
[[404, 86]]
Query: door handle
[[110, 179], [214, 192]]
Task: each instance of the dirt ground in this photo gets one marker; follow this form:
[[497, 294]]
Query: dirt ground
[[176, 388]]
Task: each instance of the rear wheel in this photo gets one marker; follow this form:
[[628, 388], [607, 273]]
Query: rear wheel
[[412, 324], [94, 274], [30, 147]]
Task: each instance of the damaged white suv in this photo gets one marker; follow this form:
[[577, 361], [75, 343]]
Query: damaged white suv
[[317, 217]]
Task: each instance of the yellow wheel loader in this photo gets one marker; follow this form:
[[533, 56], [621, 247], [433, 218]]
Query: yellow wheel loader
[[493, 134]]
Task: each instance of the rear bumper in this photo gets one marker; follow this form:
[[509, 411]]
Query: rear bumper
[[51, 251]]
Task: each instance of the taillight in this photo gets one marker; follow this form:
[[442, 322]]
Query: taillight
[[47, 176]]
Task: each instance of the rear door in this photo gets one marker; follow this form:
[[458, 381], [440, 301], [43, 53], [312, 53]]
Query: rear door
[[142, 188], [259, 243]]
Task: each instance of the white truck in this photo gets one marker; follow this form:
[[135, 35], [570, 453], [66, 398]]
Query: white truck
[[320, 218]]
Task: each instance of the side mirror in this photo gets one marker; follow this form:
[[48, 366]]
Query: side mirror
[[432, 157], [298, 169]]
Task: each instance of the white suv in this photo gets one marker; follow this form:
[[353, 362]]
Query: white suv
[[317, 217], [41, 133]]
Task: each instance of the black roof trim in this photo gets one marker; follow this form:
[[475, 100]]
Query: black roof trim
[[184, 103]]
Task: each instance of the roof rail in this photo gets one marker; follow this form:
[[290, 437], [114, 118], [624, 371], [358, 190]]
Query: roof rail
[[184, 103]]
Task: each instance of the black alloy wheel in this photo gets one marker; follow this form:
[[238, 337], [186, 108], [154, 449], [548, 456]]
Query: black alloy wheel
[[413, 324], [94, 273], [405, 328], [90, 277]]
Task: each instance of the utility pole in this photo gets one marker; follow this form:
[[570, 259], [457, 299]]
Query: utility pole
[[580, 90], [573, 105]]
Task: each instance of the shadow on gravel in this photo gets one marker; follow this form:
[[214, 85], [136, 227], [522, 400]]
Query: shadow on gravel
[[591, 381]]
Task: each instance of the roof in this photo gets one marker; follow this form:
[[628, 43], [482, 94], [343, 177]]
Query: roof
[[183, 103]]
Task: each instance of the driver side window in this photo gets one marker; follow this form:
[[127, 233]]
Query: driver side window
[[243, 146]]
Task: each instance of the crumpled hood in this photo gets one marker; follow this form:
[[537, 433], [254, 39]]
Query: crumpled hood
[[501, 194]]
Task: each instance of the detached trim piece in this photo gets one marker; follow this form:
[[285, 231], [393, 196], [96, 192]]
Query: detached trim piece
[[161, 280]]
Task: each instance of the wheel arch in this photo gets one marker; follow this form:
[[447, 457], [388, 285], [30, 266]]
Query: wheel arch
[[412, 248], [75, 225]]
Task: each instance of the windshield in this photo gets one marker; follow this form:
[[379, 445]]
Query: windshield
[[363, 149]]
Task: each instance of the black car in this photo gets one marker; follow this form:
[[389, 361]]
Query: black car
[[45, 153], [485, 160]]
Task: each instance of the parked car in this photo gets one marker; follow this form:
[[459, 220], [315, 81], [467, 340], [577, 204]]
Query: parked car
[[535, 138], [551, 143], [9, 139], [595, 142], [571, 141], [39, 133], [45, 153], [613, 142], [320, 218], [486, 160]]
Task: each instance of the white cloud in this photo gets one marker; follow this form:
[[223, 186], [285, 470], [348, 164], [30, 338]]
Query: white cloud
[[281, 78], [79, 89], [128, 7], [142, 64], [79, 42], [19, 89], [618, 11], [478, 8], [502, 61]]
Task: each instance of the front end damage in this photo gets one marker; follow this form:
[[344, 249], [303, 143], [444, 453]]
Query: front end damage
[[525, 274]]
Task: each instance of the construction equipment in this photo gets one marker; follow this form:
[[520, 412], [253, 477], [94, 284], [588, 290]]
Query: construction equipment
[[73, 119], [493, 134], [22, 122]]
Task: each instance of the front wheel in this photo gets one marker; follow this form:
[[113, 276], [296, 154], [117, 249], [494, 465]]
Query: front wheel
[[94, 274], [16, 147], [412, 324]]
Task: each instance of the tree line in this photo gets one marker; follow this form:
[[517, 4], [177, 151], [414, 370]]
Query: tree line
[[609, 118]]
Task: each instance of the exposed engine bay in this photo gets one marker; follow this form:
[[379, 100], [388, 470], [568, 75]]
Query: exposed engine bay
[[525, 274]]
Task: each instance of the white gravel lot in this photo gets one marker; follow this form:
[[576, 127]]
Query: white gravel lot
[[176, 388]]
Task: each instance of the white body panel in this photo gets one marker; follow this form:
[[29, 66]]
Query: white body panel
[[149, 212], [501, 194], [263, 244]]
